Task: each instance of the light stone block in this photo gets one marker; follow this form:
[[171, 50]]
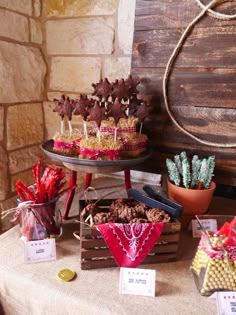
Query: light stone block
[[4, 179], [22, 6], [23, 159], [14, 26], [116, 68], [79, 8], [80, 36], [36, 32], [1, 122], [26, 177], [126, 14], [37, 7], [22, 73], [24, 125], [52, 120], [74, 74]]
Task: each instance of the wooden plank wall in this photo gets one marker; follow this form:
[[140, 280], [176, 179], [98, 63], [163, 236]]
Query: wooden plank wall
[[202, 84]]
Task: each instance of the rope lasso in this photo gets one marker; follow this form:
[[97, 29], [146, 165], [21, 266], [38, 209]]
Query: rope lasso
[[215, 14], [206, 9]]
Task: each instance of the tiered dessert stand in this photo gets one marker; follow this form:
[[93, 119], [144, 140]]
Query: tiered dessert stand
[[90, 167]]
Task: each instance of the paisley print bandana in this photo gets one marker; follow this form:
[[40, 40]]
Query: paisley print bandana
[[130, 243]]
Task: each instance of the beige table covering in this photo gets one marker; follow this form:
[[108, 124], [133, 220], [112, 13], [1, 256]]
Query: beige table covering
[[33, 289]]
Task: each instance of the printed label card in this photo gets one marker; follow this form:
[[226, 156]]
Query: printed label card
[[208, 225], [137, 281], [226, 303], [38, 251]]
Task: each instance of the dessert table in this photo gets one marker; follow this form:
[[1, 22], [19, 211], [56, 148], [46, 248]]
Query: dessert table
[[34, 289]]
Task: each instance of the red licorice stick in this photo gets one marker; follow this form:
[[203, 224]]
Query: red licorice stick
[[25, 190], [40, 191], [20, 194]]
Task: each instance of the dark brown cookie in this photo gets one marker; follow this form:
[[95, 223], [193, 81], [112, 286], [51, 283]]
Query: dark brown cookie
[[104, 217], [91, 208], [157, 215]]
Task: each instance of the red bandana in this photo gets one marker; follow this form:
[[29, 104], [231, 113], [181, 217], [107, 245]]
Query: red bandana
[[130, 243]]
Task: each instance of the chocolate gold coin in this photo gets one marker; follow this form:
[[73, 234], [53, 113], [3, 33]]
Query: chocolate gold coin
[[66, 275]]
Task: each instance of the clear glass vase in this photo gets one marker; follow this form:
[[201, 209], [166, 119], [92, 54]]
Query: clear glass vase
[[214, 263], [41, 221]]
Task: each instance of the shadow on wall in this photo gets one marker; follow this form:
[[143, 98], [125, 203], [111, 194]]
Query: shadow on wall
[[225, 191]]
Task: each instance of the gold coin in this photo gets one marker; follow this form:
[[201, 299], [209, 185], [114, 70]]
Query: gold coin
[[66, 275]]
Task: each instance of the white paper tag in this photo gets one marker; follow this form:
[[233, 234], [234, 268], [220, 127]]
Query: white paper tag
[[226, 303], [137, 281], [208, 224], [38, 251]]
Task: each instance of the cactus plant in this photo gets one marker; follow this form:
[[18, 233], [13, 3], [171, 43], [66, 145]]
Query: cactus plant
[[195, 174], [173, 172]]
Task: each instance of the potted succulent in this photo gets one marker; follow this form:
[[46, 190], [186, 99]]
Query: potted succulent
[[190, 182]]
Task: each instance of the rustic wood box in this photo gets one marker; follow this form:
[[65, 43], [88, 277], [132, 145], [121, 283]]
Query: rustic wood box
[[95, 253]]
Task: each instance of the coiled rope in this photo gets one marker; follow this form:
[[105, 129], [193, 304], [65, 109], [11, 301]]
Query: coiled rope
[[205, 9]]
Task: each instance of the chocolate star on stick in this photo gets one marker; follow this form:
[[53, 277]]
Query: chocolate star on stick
[[81, 106], [59, 106], [143, 111], [102, 89], [120, 90], [132, 85], [97, 113], [133, 105], [117, 110], [68, 108]]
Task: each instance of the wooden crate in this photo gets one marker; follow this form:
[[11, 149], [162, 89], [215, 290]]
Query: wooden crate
[[95, 253]]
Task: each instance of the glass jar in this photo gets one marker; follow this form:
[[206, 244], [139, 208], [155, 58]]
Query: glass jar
[[214, 264], [41, 221]]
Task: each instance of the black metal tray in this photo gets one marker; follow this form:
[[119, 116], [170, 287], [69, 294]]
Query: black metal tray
[[68, 161]]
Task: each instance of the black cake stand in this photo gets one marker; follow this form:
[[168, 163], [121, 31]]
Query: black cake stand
[[89, 167]]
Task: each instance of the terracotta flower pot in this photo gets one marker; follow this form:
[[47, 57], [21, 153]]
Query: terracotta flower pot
[[194, 201]]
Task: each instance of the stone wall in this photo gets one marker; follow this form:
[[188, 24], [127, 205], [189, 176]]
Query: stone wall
[[49, 48], [22, 75], [85, 41]]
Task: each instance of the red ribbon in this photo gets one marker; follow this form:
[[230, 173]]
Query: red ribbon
[[94, 154], [216, 252], [133, 147], [112, 129], [66, 145]]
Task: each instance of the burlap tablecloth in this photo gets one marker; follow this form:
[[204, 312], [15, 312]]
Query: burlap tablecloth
[[33, 289]]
